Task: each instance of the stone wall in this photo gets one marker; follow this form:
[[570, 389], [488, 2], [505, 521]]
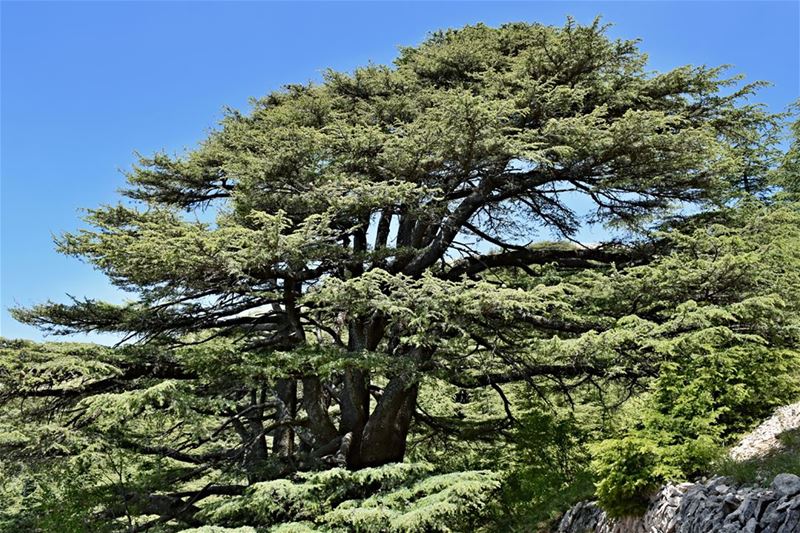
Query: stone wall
[[711, 507]]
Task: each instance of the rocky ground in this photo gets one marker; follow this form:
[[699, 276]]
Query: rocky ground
[[764, 439], [717, 505], [711, 507]]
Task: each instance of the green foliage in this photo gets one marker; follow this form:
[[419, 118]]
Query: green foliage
[[67, 494], [787, 174], [359, 294], [548, 474], [246, 529], [628, 470], [728, 359], [692, 410], [395, 497]]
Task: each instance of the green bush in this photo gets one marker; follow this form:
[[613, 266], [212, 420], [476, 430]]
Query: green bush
[[549, 474], [696, 406]]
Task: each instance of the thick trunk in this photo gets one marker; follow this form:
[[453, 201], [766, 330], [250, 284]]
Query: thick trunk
[[354, 403], [354, 398], [283, 437], [317, 410], [250, 428], [254, 450], [385, 433]]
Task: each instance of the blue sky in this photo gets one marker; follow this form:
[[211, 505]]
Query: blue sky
[[85, 84]]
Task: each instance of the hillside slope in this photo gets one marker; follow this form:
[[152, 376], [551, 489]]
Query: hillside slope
[[752, 498]]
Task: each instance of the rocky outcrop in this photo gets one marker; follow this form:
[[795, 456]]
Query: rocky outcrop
[[714, 506], [764, 439]]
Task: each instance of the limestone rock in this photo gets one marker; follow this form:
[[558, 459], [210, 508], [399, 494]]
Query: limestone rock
[[764, 439], [717, 505], [787, 484]]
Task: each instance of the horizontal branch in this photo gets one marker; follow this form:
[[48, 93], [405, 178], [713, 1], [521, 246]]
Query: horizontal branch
[[557, 371], [567, 258]]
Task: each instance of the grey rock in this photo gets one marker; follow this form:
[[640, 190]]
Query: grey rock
[[697, 508], [730, 503], [771, 519], [787, 484], [792, 522], [747, 509], [783, 505], [763, 502]]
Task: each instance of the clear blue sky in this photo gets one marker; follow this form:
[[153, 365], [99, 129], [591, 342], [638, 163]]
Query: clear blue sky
[[85, 84]]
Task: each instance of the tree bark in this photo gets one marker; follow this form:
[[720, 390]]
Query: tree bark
[[384, 437], [314, 404], [283, 437]]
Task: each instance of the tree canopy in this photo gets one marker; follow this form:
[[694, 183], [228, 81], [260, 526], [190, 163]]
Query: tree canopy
[[393, 270]]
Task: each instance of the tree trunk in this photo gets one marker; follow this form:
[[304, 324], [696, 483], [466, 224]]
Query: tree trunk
[[385, 433], [354, 403], [283, 437], [315, 406]]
